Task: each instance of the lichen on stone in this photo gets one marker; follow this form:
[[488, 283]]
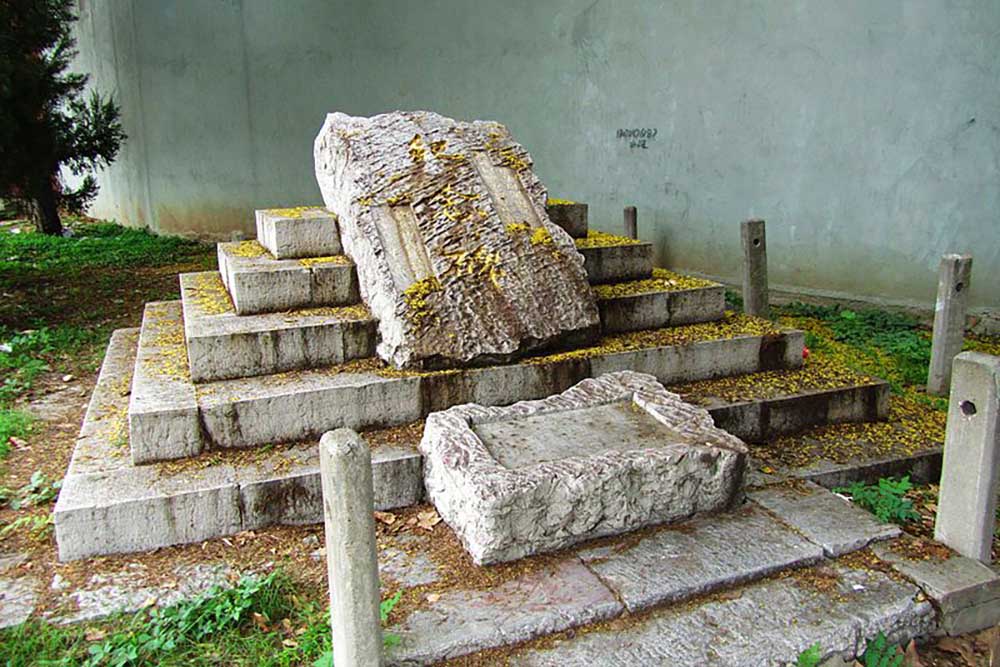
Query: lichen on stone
[[416, 297], [596, 239], [559, 202], [662, 281], [296, 211], [309, 262], [249, 249]]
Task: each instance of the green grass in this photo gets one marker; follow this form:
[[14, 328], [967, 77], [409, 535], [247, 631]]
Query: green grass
[[62, 297], [13, 424], [891, 345], [93, 245], [259, 621]]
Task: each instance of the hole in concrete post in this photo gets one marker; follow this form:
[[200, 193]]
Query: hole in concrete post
[[756, 242], [968, 408], [959, 287]]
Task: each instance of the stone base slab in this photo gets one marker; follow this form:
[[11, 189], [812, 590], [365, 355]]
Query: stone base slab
[[258, 283], [618, 263], [222, 345], [290, 233], [655, 310], [571, 216], [609, 455]]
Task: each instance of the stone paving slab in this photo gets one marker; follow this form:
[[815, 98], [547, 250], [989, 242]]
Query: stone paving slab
[[163, 409], [618, 263], [761, 625], [258, 283], [662, 308], [824, 517], [699, 556], [222, 345], [967, 592], [301, 231], [548, 600]]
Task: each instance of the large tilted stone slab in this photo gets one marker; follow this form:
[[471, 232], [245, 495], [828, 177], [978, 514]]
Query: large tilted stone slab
[[259, 283], [765, 624], [163, 410], [222, 345], [609, 455], [824, 517], [302, 231], [700, 556], [446, 222]]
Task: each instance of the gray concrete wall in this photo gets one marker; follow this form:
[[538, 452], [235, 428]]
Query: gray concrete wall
[[866, 133]]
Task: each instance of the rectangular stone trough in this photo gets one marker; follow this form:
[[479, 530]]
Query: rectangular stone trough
[[607, 456], [259, 283]]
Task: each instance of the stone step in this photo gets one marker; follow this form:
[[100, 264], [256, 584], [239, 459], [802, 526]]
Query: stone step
[[838, 605], [302, 231], [108, 504], [570, 215], [223, 345], [653, 573], [663, 300], [611, 259], [300, 405], [259, 283]]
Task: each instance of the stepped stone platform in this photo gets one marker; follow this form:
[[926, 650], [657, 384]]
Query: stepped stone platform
[[747, 587], [259, 283], [606, 456], [104, 490]]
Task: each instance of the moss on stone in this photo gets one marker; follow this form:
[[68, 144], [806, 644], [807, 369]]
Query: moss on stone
[[559, 202]]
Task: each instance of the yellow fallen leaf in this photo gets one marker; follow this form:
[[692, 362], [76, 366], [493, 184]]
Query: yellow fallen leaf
[[388, 518]]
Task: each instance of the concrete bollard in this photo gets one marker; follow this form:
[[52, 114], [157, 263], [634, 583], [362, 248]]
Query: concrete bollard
[[755, 297], [351, 559], [631, 223], [949, 320], [967, 501]]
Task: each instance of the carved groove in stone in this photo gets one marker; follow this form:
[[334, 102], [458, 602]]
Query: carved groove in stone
[[446, 222]]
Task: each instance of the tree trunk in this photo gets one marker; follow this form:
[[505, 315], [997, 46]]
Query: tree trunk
[[45, 213]]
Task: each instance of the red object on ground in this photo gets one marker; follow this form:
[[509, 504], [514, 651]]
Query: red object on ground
[[805, 352]]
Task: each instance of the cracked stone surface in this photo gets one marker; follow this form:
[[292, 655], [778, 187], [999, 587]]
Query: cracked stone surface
[[17, 599], [700, 556], [824, 517], [765, 624], [547, 600], [446, 222], [606, 456]]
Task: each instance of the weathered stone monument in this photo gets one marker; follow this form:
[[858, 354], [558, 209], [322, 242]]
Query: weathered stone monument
[[607, 456], [446, 222]]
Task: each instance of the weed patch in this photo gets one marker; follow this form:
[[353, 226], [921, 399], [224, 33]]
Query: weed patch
[[886, 500]]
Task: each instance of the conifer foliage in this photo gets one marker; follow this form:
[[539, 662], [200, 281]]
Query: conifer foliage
[[49, 127]]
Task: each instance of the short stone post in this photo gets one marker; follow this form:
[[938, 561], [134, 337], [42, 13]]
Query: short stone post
[[351, 560], [755, 298], [631, 223], [949, 320], [967, 501]]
